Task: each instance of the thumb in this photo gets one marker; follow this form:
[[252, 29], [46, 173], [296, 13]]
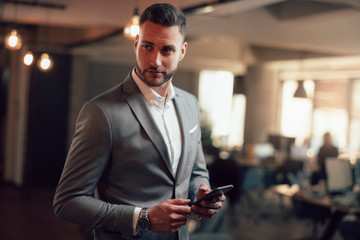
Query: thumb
[[203, 187]]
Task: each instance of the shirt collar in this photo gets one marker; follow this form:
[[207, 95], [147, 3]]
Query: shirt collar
[[148, 92]]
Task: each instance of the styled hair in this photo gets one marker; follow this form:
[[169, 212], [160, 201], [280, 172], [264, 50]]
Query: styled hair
[[165, 14]]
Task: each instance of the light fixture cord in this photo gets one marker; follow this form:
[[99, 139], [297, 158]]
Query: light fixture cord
[[15, 16], [2, 9], [47, 28], [136, 9]]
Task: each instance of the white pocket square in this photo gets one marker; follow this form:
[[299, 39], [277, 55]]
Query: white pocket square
[[193, 129]]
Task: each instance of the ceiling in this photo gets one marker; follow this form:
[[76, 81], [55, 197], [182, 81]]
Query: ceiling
[[235, 35]]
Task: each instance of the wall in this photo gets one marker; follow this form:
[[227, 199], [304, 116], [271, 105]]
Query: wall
[[15, 123], [103, 76], [47, 122], [187, 80]]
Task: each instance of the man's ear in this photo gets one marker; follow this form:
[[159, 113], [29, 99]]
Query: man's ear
[[136, 42], [183, 51]]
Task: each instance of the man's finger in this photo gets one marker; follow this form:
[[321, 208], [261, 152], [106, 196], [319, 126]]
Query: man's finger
[[179, 201]]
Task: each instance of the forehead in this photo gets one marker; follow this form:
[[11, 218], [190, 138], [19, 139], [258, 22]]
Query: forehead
[[158, 34]]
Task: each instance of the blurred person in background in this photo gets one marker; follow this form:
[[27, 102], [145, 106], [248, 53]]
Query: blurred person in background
[[325, 151]]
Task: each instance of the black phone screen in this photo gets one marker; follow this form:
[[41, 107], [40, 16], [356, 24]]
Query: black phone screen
[[215, 192]]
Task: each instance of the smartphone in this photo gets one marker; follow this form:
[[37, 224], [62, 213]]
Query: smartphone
[[215, 192]]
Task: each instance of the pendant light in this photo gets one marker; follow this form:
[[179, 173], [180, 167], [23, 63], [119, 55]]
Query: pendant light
[[300, 91], [28, 58], [133, 28], [13, 40], [45, 63]]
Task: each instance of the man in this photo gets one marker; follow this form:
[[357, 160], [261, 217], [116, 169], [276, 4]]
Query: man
[[137, 146]]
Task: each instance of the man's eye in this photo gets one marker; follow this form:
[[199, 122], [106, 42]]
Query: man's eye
[[147, 47], [168, 50]]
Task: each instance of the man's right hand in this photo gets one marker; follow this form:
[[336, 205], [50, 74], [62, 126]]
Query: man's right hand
[[169, 216]]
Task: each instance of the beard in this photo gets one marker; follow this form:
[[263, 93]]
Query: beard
[[154, 81]]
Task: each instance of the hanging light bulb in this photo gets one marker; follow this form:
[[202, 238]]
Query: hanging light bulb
[[13, 40], [45, 63], [28, 58], [132, 29]]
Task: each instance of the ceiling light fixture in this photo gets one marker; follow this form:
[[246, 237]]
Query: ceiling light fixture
[[300, 91], [13, 40], [28, 58], [133, 28], [45, 63]]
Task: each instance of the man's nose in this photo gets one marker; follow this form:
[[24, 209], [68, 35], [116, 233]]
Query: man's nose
[[155, 59]]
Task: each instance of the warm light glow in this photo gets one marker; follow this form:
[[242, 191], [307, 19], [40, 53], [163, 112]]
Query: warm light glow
[[132, 30], [13, 40], [28, 58], [45, 63], [204, 10], [296, 112], [237, 120], [216, 105]]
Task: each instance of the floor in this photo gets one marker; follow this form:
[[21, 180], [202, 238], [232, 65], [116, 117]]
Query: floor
[[29, 216]]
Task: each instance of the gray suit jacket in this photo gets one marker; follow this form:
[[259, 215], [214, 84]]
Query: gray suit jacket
[[118, 160]]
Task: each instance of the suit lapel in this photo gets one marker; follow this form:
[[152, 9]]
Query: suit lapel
[[138, 104], [180, 111]]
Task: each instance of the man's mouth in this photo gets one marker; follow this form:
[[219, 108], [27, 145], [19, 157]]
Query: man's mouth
[[154, 72]]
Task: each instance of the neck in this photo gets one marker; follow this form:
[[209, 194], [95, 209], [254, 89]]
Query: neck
[[163, 89]]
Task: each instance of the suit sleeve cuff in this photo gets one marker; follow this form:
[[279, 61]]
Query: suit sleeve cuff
[[135, 218]]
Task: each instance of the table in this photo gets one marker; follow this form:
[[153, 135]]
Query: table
[[338, 208]]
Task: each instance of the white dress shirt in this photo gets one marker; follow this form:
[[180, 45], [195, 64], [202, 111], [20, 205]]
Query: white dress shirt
[[163, 111]]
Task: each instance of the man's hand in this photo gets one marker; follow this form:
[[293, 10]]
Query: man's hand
[[169, 216], [207, 209]]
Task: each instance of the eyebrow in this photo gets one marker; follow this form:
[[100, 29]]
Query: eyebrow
[[151, 43], [148, 42]]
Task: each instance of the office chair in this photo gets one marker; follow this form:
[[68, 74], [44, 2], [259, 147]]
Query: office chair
[[252, 193], [307, 211]]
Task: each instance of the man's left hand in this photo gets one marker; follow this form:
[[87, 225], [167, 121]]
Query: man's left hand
[[207, 208]]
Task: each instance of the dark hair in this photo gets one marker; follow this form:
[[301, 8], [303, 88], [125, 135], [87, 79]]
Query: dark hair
[[165, 14]]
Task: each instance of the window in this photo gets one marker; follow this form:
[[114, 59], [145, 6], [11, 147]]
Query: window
[[296, 112], [237, 121], [221, 110], [332, 106], [330, 112], [330, 120], [354, 132]]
